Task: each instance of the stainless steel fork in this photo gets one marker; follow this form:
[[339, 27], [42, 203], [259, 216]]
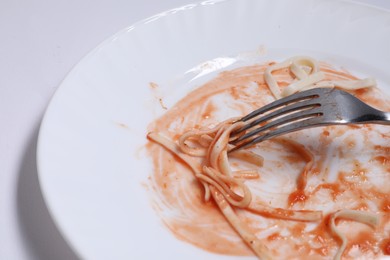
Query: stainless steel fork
[[307, 109]]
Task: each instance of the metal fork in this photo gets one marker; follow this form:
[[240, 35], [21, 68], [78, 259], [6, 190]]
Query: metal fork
[[307, 109]]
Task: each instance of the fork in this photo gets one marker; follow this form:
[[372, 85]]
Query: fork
[[306, 109]]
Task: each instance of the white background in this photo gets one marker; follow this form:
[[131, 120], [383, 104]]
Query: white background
[[40, 41]]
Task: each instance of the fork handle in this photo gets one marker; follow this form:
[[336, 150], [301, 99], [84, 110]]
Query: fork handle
[[382, 118], [386, 119]]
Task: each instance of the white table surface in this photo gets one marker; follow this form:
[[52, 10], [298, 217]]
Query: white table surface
[[40, 41]]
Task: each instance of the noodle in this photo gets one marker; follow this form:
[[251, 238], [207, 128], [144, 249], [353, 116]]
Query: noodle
[[205, 152], [308, 78], [354, 215]]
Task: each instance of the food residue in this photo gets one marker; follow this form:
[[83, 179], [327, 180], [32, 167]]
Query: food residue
[[350, 170]]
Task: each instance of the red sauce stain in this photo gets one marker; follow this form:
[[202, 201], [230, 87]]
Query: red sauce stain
[[296, 197], [322, 237], [385, 206], [359, 171], [362, 206], [325, 133], [335, 189], [298, 229], [360, 93], [275, 236], [365, 241], [384, 160], [176, 137], [354, 126], [385, 246], [235, 93], [344, 181], [292, 158], [383, 149], [209, 110], [239, 92], [322, 229], [322, 251]]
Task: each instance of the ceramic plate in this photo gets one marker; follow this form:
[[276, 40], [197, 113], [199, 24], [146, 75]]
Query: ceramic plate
[[92, 166]]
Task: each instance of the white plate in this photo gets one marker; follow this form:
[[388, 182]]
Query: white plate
[[91, 166]]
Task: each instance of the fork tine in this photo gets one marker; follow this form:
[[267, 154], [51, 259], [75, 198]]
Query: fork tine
[[292, 127], [306, 103], [284, 101], [313, 112]]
